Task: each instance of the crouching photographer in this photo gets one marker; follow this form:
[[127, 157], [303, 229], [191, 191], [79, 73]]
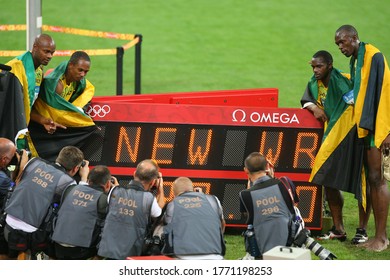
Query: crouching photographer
[[9, 156], [268, 204], [272, 217], [193, 224], [38, 190]]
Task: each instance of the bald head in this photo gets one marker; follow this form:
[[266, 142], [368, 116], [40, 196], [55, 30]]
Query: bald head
[[147, 171], [181, 185], [43, 39], [7, 151], [43, 50]]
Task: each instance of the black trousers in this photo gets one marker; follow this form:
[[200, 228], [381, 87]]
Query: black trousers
[[74, 253]]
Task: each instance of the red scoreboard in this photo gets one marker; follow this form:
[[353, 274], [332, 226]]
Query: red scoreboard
[[206, 136]]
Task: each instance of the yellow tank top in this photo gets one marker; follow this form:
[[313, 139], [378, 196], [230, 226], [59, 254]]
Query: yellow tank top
[[38, 81], [67, 90], [322, 91]]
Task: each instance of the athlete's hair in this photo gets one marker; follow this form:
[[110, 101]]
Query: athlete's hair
[[76, 56], [349, 29], [326, 56]]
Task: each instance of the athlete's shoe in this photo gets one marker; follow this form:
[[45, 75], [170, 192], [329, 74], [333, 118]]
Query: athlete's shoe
[[333, 234], [360, 236], [247, 257]]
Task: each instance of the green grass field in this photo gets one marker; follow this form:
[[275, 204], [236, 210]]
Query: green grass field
[[201, 45]]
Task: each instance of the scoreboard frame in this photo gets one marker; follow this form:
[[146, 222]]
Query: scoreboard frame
[[206, 136]]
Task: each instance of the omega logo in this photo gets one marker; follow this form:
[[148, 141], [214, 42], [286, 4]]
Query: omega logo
[[240, 115]]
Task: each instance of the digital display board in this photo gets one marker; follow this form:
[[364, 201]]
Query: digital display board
[[208, 144]]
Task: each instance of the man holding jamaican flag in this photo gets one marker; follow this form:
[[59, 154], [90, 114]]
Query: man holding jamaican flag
[[64, 96], [370, 74], [339, 162], [19, 88]]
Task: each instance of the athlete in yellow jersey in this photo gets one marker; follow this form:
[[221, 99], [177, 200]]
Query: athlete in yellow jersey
[[68, 81], [26, 72], [73, 86], [324, 97], [370, 74]]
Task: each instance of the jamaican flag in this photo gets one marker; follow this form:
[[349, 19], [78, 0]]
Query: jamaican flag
[[22, 87], [80, 126], [29, 78], [339, 160], [372, 93], [12, 114]]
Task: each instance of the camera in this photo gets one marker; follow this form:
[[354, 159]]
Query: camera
[[303, 239], [18, 155], [250, 242], [155, 240], [152, 246]]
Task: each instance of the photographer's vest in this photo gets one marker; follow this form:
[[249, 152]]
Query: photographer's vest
[[33, 196], [195, 228], [128, 216], [78, 217], [272, 217]]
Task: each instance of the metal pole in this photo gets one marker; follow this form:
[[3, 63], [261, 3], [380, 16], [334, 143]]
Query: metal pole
[[137, 78], [33, 21], [119, 70]]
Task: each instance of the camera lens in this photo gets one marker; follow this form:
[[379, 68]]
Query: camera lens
[[303, 239], [318, 250]]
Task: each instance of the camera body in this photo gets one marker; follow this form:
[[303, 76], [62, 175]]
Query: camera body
[[152, 246], [18, 155]]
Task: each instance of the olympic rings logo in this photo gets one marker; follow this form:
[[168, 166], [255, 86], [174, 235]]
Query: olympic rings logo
[[98, 111]]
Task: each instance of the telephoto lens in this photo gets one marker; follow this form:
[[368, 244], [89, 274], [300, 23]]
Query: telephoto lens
[[303, 239], [319, 250]]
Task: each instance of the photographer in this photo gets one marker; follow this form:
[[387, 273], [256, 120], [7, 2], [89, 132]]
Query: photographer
[[268, 206], [273, 220], [194, 224], [8, 154], [29, 209], [130, 210], [82, 205]]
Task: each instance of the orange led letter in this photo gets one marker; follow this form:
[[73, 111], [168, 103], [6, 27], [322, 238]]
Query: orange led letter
[[307, 143], [124, 136], [198, 155], [164, 150], [310, 191], [271, 145]]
